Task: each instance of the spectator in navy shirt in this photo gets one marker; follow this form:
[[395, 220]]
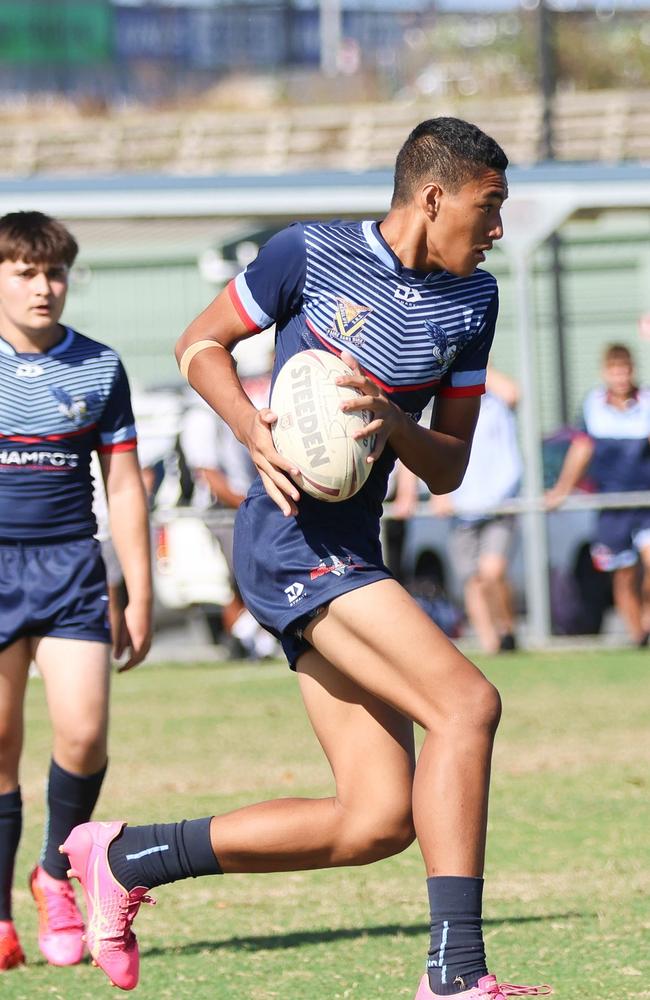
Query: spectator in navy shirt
[[614, 445]]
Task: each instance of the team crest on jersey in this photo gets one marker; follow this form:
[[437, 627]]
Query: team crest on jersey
[[75, 410], [443, 352], [348, 321]]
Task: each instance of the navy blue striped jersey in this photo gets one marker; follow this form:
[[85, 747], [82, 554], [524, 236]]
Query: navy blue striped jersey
[[57, 408], [621, 457], [339, 285]]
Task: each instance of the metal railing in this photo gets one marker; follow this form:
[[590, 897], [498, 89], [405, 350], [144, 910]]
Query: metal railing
[[576, 501], [532, 510], [217, 517]]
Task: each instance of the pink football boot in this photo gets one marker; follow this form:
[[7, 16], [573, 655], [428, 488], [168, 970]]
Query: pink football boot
[[60, 924], [487, 988], [110, 908], [11, 954]]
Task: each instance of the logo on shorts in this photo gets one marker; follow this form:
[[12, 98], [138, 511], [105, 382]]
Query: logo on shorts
[[295, 592], [348, 321], [603, 558], [332, 564]]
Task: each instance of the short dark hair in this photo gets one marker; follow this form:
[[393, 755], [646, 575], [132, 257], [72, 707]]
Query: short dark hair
[[448, 150], [36, 238], [618, 354]]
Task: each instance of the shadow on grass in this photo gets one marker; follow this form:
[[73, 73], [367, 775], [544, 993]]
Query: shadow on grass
[[299, 939]]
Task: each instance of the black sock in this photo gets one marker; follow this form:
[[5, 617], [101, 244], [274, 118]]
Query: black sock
[[163, 852], [457, 954], [11, 824], [71, 799]]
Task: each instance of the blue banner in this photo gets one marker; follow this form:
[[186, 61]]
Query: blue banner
[[160, 33]]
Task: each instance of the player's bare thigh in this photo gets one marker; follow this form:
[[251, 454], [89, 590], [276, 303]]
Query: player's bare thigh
[[14, 669], [354, 725], [371, 750], [76, 674], [379, 637]]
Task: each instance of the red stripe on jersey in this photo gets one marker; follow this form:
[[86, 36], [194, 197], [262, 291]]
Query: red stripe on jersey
[[402, 388], [111, 449], [458, 391], [36, 468], [328, 347], [374, 378], [25, 439], [241, 312]]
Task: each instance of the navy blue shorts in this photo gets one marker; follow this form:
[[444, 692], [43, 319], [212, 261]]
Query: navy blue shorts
[[288, 568], [55, 589], [619, 536]]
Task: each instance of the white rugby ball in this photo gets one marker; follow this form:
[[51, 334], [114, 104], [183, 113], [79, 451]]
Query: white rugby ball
[[314, 433]]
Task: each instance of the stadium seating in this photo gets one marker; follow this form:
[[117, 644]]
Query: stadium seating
[[598, 126]]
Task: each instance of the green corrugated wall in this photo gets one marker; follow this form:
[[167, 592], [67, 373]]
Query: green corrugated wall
[[140, 309]]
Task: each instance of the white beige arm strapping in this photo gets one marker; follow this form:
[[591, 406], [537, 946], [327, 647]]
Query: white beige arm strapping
[[191, 352]]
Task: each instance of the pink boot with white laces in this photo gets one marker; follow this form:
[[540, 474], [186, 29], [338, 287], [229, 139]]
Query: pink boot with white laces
[[487, 988], [111, 908]]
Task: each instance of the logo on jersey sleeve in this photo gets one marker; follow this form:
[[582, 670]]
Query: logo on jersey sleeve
[[443, 351], [75, 410], [349, 319]]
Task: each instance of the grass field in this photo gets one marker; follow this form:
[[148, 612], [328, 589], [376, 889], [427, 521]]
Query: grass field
[[568, 873]]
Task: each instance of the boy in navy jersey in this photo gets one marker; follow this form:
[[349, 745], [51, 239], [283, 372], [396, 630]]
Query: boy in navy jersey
[[62, 397], [615, 447], [404, 301]]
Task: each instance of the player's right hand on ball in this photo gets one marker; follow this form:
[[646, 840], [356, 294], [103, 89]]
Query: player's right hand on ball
[[383, 411], [274, 469]]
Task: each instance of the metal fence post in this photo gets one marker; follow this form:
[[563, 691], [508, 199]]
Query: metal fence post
[[534, 518]]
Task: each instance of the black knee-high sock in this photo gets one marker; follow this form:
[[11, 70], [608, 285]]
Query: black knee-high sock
[[457, 954], [11, 825], [161, 853], [71, 799]]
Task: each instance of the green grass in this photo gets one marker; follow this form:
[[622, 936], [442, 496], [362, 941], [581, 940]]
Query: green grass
[[568, 873]]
